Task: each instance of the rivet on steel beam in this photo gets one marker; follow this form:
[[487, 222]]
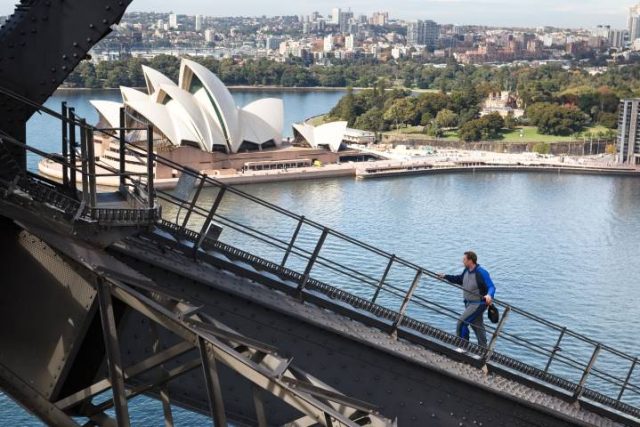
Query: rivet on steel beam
[[91, 26], [75, 44]]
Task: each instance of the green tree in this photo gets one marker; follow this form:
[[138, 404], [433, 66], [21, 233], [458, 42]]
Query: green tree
[[446, 119], [373, 120], [401, 111], [471, 131]]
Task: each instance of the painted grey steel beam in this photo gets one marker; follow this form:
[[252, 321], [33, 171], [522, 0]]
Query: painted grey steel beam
[[212, 383], [258, 403], [112, 349], [129, 373], [36, 403], [162, 379], [253, 372], [166, 406]]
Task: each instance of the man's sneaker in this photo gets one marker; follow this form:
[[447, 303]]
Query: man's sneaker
[[461, 350]]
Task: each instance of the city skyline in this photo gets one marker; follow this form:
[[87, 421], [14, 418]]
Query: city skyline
[[570, 13]]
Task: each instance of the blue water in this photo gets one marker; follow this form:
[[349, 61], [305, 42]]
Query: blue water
[[563, 247]]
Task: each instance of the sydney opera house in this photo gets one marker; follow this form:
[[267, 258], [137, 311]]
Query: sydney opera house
[[199, 111], [197, 124]]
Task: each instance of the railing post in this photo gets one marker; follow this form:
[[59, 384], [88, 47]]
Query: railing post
[[65, 142], [556, 348], [123, 149], [208, 220], [72, 150], [312, 260], [585, 373], [150, 161], [626, 381], [292, 241], [84, 159], [383, 278], [496, 334], [405, 302], [92, 165], [194, 201]]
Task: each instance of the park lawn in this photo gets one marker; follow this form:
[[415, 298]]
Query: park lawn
[[529, 134]]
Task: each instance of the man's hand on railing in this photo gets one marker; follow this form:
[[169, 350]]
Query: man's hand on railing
[[441, 275], [488, 300]]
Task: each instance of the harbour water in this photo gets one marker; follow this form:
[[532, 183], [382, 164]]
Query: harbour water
[[561, 246]]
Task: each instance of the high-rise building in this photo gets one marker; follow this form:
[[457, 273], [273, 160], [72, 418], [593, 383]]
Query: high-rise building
[[634, 22], [617, 38], [344, 21], [199, 19], [629, 131], [423, 33], [173, 20], [335, 15]]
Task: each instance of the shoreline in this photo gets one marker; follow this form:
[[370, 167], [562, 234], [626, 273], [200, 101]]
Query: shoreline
[[373, 171], [231, 88], [265, 88]]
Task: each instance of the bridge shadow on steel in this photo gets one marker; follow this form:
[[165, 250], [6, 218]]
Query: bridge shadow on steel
[[195, 223]]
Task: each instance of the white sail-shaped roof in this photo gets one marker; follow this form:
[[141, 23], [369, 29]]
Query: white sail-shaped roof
[[185, 109], [133, 95], [108, 110], [155, 79], [215, 95], [271, 110], [199, 110], [329, 134]]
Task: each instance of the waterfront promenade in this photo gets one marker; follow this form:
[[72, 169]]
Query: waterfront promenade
[[403, 162]]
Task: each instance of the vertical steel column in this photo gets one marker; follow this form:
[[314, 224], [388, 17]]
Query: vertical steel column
[[405, 301], [312, 260], [123, 149], [212, 382], [166, 406], [194, 200], [556, 348], [261, 415], [586, 372], [293, 241], [209, 219], [65, 142], [626, 381], [92, 166], [83, 159], [383, 278], [496, 334], [72, 150], [150, 161], [112, 349]]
